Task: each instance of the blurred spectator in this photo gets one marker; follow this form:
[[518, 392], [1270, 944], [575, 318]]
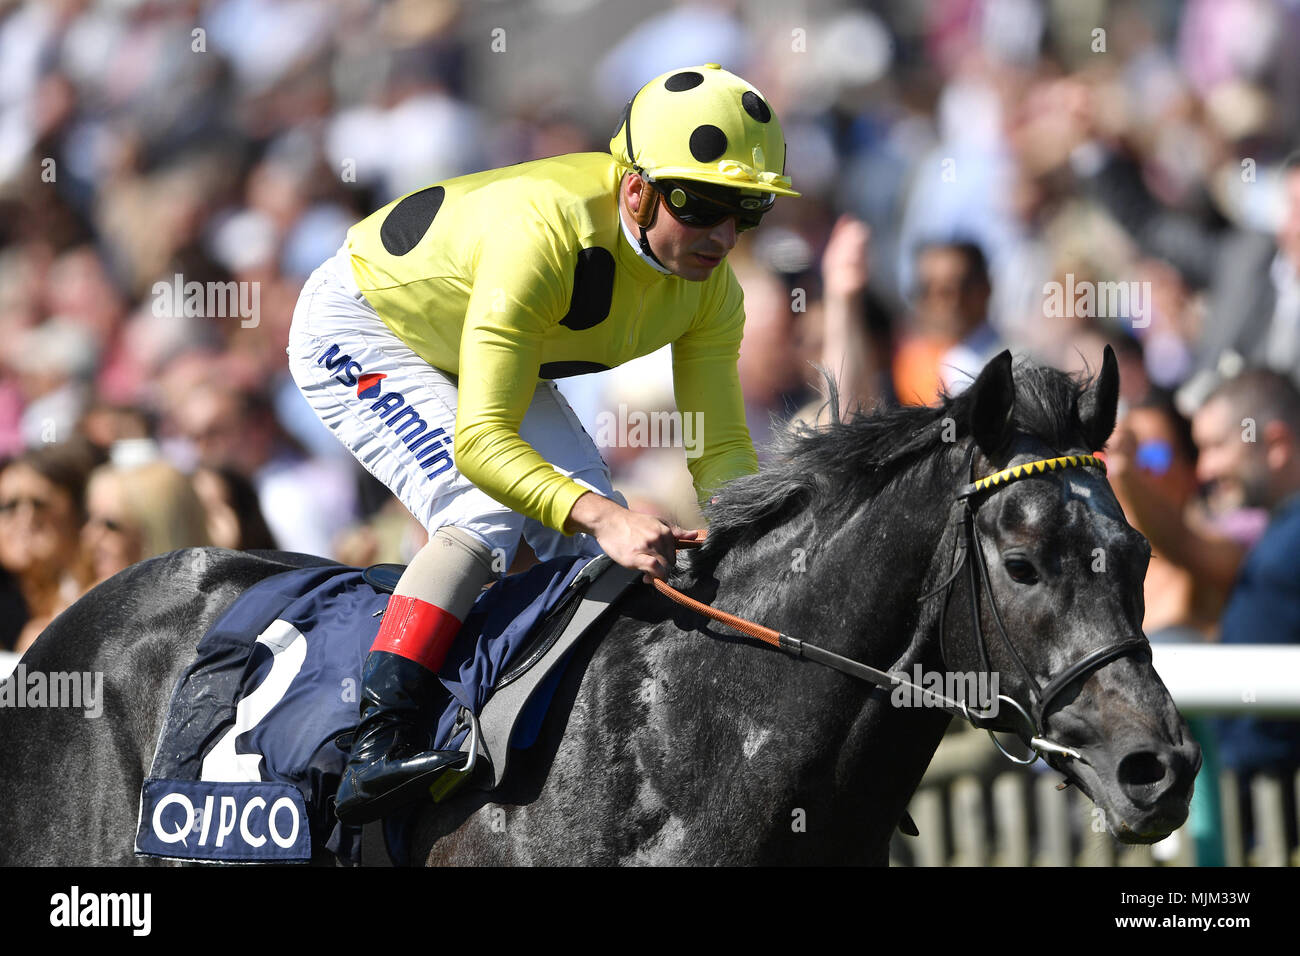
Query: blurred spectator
[[852, 350], [104, 424], [772, 374], [139, 512], [1248, 433], [688, 32], [421, 133], [1256, 305], [1151, 461], [951, 338], [856, 343], [391, 535], [1155, 466], [305, 500], [41, 514], [53, 362], [233, 516]]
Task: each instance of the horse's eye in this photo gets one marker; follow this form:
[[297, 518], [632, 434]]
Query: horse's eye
[[1021, 571]]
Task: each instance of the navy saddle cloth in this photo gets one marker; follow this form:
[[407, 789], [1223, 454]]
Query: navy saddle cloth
[[249, 757]]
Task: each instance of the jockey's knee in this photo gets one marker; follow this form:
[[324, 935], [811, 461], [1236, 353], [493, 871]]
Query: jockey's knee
[[468, 547], [450, 571]]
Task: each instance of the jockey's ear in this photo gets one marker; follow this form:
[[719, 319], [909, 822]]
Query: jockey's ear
[[993, 399], [647, 201], [1097, 406]]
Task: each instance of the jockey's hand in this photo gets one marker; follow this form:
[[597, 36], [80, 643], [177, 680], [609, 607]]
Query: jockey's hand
[[638, 541]]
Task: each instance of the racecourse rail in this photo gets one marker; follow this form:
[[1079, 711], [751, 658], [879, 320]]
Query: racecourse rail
[[1204, 679], [1033, 823], [973, 811]]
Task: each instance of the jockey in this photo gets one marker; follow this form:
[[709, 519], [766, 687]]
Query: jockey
[[429, 344]]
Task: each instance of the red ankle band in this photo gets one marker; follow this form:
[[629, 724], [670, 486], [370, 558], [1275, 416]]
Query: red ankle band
[[417, 630]]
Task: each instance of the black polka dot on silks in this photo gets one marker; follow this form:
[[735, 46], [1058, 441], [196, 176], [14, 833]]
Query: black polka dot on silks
[[593, 289], [410, 219], [686, 80], [708, 143], [567, 369], [755, 107]]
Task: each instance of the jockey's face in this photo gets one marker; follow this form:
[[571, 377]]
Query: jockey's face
[[685, 251]]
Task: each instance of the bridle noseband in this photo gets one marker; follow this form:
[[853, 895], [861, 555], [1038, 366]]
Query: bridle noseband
[[967, 544]]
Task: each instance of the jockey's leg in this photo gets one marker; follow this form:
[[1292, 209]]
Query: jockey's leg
[[397, 415], [392, 757]]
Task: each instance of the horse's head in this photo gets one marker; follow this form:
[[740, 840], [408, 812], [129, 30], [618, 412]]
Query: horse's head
[[1059, 574]]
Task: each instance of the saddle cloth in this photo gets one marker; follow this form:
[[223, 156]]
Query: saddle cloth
[[253, 747]]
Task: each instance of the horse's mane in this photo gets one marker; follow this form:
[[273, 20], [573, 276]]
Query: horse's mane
[[838, 466]]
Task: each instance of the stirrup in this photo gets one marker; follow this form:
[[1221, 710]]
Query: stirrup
[[450, 779]]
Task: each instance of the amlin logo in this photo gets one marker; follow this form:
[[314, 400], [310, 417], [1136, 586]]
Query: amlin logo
[[429, 445]]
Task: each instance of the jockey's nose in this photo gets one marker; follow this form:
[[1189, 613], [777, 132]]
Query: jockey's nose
[[724, 233]]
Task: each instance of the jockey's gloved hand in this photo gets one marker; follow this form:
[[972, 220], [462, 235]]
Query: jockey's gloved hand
[[638, 541]]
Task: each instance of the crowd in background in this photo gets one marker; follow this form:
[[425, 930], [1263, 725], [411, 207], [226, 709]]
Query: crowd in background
[[956, 159]]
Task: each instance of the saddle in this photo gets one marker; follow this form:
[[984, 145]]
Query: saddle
[[259, 725], [487, 737], [512, 716]]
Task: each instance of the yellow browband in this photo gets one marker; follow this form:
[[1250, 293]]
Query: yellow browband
[[1035, 468]]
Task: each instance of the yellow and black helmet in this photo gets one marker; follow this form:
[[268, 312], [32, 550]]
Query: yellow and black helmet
[[703, 125]]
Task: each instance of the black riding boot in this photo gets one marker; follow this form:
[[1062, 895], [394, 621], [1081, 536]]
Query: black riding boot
[[392, 762]]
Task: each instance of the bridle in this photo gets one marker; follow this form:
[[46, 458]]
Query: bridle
[[1029, 723], [970, 554]]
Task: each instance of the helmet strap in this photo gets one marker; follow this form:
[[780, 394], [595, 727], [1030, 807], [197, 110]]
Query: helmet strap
[[645, 247], [645, 214]]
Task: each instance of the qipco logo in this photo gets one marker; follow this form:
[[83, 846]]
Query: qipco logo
[[220, 818]]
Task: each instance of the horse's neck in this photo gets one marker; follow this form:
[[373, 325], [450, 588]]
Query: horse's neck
[[853, 589]]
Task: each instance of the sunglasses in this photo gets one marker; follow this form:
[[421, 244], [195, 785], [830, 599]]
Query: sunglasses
[[705, 208], [1155, 456]]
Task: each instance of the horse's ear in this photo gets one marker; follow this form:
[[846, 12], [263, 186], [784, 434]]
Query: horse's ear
[[1098, 404], [993, 400]]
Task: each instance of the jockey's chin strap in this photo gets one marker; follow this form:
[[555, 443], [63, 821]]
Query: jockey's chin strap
[[1022, 724]]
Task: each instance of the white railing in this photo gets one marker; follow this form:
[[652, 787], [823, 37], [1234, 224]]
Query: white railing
[[1258, 679], [972, 810]]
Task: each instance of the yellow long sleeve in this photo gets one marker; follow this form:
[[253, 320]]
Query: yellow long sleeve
[[511, 275]]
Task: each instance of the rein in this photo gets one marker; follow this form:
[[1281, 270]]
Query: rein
[[967, 544]]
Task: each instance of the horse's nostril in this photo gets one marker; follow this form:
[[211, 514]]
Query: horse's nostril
[[1142, 776]]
